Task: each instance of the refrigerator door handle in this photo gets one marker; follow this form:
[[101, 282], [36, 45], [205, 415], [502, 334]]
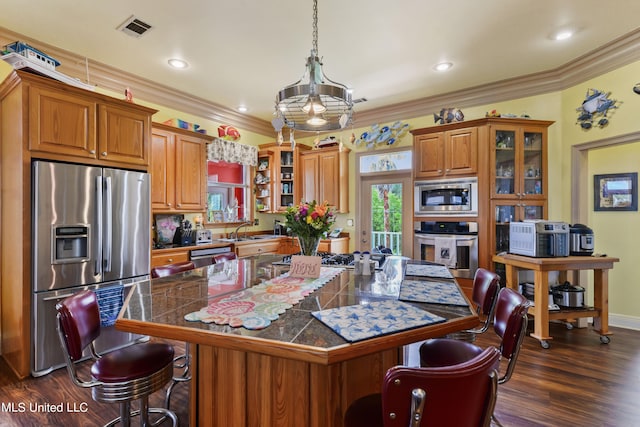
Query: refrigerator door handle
[[57, 297], [108, 224], [97, 248]]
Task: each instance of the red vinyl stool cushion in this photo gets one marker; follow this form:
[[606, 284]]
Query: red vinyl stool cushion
[[447, 352], [130, 363]]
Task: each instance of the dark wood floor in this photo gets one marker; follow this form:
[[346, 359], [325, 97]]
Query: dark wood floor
[[577, 382]]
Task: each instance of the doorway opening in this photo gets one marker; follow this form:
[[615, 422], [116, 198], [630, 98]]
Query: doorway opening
[[385, 203]]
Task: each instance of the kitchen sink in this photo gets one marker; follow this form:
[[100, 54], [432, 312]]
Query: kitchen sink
[[248, 238]]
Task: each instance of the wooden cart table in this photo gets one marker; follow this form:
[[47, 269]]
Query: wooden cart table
[[541, 268]]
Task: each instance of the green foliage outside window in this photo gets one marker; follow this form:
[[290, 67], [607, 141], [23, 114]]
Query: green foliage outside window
[[395, 208]]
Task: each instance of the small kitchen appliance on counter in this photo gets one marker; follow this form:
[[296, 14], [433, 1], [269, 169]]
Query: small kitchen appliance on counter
[[203, 236], [581, 240], [568, 295], [539, 238]]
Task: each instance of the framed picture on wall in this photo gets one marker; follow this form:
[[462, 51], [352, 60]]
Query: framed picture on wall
[[615, 192]]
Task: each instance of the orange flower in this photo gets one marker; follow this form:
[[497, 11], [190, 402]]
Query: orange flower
[[321, 210]]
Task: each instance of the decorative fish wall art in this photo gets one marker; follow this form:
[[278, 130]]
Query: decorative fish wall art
[[382, 135], [594, 109]]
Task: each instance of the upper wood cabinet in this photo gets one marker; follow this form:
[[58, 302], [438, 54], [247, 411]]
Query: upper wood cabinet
[[284, 174], [178, 170], [440, 153], [45, 119], [69, 122], [325, 176]]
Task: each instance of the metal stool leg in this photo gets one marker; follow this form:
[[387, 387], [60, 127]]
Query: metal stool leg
[[185, 377]]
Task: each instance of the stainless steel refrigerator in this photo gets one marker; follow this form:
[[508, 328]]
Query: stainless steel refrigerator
[[91, 230]]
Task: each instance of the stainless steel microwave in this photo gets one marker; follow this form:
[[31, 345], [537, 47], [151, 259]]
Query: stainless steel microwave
[[457, 196]]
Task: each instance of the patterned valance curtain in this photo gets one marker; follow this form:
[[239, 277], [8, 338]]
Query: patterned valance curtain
[[232, 152]]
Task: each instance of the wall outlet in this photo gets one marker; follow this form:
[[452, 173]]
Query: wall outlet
[[349, 223], [256, 221]]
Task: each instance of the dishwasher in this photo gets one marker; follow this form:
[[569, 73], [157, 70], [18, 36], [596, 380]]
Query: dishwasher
[[202, 257]]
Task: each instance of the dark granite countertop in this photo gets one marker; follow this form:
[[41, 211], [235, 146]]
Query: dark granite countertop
[[157, 307]]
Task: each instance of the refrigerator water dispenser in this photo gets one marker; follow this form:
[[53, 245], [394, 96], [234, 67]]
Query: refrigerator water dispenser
[[70, 243]]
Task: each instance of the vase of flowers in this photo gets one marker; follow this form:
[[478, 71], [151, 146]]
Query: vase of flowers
[[309, 221]]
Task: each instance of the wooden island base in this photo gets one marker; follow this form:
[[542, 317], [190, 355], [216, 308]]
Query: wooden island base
[[243, 389]]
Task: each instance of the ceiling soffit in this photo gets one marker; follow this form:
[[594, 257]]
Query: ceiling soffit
[[611, 56]]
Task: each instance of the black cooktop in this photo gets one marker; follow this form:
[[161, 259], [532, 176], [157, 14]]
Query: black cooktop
[[338, 260]]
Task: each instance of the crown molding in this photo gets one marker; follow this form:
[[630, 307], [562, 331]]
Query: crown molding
[[609, 57]]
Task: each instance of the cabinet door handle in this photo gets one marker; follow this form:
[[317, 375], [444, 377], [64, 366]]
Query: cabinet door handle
[[104, 154], [170, 259], [92, 151], [169, 204], [179, 205]]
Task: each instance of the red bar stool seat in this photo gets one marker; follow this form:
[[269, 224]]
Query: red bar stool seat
[[120, 376]]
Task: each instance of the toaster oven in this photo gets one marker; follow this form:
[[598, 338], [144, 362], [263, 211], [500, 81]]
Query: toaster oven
[[539, 238]]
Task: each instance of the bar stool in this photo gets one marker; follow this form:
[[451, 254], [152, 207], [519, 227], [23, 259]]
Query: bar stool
[[225, 256], [462, 395], [169, 269], [120, 376]]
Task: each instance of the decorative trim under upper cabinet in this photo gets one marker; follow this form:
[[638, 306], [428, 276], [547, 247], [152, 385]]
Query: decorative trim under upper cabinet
[[603, 59]]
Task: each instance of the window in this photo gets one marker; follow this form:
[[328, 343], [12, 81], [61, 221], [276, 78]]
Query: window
[[227, 192]]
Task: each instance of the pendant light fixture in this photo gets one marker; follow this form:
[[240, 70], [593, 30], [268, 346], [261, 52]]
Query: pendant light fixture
[[314, 103]]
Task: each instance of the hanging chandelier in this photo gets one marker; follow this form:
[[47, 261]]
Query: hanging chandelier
[[314, 103]]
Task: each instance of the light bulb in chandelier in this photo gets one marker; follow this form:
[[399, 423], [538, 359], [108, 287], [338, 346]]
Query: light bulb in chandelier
[[316, 120], [314, 105]]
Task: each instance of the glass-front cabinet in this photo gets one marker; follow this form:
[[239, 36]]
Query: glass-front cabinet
[[520, 156], [518, 178]]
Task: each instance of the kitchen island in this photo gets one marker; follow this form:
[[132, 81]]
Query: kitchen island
[[294, 372]]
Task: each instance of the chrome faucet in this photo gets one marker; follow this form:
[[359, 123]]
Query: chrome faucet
[[244, 224]]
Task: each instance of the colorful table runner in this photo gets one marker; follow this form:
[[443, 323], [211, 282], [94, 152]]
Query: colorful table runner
[[256, 307], [359, 322], [428, 270], [431, 292]]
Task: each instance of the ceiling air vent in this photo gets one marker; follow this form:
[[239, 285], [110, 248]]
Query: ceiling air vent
[[134, 27]]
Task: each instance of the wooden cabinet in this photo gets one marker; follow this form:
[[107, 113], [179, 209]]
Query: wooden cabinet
[[517, 184], [445, 153], [262, 181], [178, 170], [43, 118], [325, 177], [66, 123], [288, 246], [284, 175], [509, 158], [165, 257], [518, 161], [257, 248], [339, 245]]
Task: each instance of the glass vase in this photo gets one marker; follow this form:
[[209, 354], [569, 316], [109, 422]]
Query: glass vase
[[309, 245]]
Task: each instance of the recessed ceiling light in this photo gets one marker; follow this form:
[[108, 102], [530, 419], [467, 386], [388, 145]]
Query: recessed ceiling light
[[178, 63], [443, 66], [563, 35], [242, 108]]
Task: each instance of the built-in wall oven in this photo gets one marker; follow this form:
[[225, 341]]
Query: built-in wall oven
[[452, 243]]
